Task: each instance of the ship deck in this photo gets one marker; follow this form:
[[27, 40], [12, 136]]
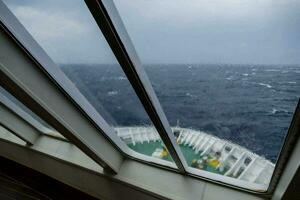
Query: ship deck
[[202, 151]]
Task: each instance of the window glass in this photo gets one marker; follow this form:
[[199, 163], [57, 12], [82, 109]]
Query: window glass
[[227, 73], [68, 33]]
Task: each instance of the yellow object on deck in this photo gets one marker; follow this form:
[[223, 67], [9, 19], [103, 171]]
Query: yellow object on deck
[[213, 162], [164, 153]]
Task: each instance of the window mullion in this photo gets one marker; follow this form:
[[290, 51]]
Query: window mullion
[[115, 33]]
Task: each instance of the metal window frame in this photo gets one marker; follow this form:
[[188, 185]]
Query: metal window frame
[[152, 106], [138, 173], [132, 175], [286, 152], [22, 123], [112, 27], [123, 49]]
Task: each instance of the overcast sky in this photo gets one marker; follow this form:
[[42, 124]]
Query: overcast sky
[[170, 31]]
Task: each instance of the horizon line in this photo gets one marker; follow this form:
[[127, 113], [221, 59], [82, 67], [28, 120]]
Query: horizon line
[[163, 63]]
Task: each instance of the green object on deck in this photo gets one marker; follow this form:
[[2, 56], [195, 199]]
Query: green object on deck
[[189, 154]]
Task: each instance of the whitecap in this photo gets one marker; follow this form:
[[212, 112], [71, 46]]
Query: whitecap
[[272, 70], [190, 95], [292, 82], [112, 93], [121, 78], [275, 111], [266, 85], [245, 74]]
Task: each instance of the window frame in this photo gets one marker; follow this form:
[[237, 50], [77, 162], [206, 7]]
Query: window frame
[[34, 97], [31, 48], [20, 123], [123, 49], [126, 55], [110, 13]]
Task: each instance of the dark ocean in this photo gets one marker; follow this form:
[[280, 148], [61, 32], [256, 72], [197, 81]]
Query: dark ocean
[[251, 105]]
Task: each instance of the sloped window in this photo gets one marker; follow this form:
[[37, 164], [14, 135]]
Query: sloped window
[[227, 74]]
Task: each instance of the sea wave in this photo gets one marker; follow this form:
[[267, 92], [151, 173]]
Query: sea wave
[[229, 78], [112, 93], [278, 111], [272, 70], [265, 84], [121, 78], [189, 94]]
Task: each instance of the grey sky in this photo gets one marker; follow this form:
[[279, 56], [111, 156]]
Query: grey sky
[[171, 31]]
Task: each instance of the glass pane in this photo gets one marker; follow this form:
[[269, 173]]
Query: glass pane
[[68, 33], [227, 74]]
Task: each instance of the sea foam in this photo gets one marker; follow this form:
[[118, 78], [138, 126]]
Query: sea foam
[[266, 85]]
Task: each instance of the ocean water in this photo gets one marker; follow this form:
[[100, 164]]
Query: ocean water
[[251, 105]]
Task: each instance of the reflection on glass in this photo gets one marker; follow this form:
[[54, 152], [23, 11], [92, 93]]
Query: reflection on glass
[[68, 33], [227, 74]]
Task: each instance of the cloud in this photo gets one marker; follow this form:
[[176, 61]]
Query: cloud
[[211, 31], [169, 31], [64, 29], [49, 25]]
